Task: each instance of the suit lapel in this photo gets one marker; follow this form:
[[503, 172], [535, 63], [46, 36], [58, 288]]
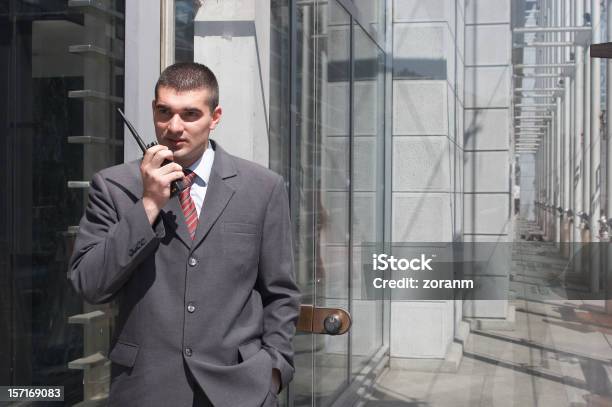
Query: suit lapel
[[218, 193], [217, 197]]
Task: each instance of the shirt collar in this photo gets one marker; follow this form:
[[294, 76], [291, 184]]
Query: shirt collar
[[203, 166]]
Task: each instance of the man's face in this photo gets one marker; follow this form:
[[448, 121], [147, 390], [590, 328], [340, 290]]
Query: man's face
[[183, 121]]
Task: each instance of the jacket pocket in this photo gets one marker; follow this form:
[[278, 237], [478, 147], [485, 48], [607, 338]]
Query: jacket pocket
[[249, 349], [240, 243], [242, 228], [124, 353]]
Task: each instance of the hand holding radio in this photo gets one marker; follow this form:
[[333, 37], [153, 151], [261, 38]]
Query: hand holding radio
[[157, 178], [161, 177]]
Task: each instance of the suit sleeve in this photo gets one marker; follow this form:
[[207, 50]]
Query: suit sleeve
[[109, 245], [276, 284]]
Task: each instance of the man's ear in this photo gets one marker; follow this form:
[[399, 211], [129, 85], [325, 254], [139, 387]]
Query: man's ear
[[153, 108], [216, 117]]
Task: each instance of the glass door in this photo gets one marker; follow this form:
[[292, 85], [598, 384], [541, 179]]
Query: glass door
[[320, 190], [336, 191]]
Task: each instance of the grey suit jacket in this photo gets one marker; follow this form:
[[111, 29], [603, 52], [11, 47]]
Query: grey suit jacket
[[221, 309]]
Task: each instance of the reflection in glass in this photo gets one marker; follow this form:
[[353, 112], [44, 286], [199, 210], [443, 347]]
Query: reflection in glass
[[373, 14], [184, 13], [62, 77], [280, 95]]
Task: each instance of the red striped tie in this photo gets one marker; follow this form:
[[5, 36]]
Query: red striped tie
[[189, 209]]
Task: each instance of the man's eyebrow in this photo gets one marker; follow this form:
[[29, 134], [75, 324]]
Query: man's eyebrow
[[191, 109], [159, 105]]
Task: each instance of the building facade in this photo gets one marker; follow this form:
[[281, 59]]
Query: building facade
[[391, 121]]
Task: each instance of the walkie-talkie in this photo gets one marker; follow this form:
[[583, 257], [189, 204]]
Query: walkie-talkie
[[175, 186]]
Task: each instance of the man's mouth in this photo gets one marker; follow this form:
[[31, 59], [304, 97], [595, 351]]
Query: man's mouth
[[176, 143]]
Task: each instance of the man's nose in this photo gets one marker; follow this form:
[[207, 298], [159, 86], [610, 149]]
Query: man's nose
[[176, 124]]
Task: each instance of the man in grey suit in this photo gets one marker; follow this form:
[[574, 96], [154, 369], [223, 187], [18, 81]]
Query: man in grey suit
[[203, 279]]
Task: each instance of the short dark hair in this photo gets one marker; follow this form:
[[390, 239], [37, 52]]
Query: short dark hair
[[184, 76]]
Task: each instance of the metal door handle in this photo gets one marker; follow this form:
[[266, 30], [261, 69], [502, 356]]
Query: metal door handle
[[329, 321]]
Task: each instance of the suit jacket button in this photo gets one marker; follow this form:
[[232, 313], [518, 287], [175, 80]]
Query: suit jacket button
[[193, 261], [191, 307], [188, 352]]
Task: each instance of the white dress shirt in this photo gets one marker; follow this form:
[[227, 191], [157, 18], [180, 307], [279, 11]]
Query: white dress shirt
[[202, 169]]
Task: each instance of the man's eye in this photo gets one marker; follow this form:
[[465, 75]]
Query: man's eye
[[191, 115]]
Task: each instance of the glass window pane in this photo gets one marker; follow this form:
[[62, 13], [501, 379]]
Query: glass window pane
[[62, 77], [368, 181], [332, 186], [302, 192], [184, 12]]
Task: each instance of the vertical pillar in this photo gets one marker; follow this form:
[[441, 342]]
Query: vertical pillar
[[578, 131], [142, 56], [608, 176], [558, 167], [585, 224], [555, 82], [233, 37], [551, 127], [487, 152], [550, 141], [594, 151], [607, 257], [564, 131], [424, 144], [571, 134], [540, 155], [569, 120], [586, 145], [538, 185], [549, 175]]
